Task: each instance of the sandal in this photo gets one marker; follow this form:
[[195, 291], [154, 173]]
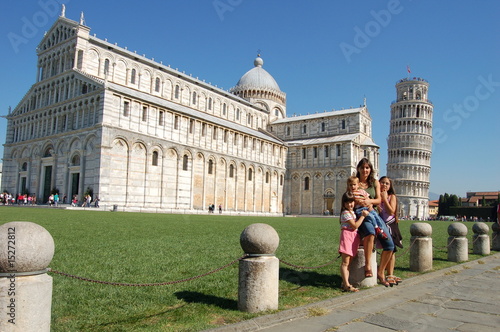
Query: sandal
[[384, 282], [349, 288], [391, 280], [368, 273], [396, 280]]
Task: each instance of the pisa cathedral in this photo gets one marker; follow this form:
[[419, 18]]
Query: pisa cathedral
[[142, 136]]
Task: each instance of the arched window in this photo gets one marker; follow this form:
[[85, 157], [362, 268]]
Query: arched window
[[281, 180], [237, 114], [75, 161], [157, 84], [132, 76], [250, 174], [210, 167], [288, 131], [24, 167], [185, 162], [267, 177], [155, 158], [306, 183], [194, 98], [176, 93], [231, 171], [210, 103], [106, 67], [304, 129], [224, 109], [48, 152]]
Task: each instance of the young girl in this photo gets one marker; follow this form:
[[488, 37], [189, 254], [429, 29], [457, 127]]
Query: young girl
[[349, 238], [388, 210]]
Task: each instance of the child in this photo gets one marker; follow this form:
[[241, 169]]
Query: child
[[373, 217], [349, 238], [388, 209]]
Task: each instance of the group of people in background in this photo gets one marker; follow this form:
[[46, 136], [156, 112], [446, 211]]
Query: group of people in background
[[53, 200], [368, 217], [20, 199]]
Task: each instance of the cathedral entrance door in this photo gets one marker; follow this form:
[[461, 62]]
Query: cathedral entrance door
[[47, 180]]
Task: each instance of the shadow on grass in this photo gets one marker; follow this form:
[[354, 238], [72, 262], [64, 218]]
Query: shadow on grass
[[196, 297], [309, 278], [134, 319]]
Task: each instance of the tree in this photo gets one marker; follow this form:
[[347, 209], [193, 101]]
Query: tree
[[446, 201]]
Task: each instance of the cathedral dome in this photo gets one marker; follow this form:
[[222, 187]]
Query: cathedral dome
[[257, 78]]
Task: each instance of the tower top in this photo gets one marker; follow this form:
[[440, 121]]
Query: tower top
[[413, 79]]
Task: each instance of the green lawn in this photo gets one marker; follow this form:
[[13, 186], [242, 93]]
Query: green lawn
[[149, 248]]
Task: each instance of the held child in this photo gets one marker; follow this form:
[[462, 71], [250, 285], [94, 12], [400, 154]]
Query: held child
[[349, 238], [373, 217]]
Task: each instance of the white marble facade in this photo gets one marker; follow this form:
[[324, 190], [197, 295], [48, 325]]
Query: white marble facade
[[142, 135], [410, 147]]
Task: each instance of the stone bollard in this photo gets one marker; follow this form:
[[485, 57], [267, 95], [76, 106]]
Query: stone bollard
[[26, 251], [480, 239], [458, 245], [357, 270], [420, 247], [259, 273], [495, 243]]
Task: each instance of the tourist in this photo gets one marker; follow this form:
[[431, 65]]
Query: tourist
[[349, 238], [220, 209], [388, 212], [368, 182], [96, 201], [56, 199]]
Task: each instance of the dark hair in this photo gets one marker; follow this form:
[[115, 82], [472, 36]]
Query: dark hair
[[391, 189], [371, 178], [346, 198], [392, 192]]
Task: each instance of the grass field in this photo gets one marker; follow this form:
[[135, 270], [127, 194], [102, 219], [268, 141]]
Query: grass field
[[149, 248]]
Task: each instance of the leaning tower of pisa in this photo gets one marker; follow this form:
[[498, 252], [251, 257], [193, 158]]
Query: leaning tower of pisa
[[410, 147]]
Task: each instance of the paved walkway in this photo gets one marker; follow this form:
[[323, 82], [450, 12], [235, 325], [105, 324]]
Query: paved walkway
[[465, 297]]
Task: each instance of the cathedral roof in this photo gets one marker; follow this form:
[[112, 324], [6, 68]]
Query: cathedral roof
[[257, 78], [319, 115], [355, 137]]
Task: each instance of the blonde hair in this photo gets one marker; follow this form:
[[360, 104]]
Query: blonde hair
[[350, 180]]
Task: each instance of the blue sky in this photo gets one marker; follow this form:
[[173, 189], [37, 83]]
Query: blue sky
[[324, 55]]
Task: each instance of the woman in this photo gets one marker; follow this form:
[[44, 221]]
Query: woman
[[388, 210], [368, 182]]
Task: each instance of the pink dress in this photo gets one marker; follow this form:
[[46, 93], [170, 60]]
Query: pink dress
[[349, 237]]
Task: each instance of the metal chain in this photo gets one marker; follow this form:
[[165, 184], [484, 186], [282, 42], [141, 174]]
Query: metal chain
[[148, 284], [216, 270], [407, 249], [446, 247]]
